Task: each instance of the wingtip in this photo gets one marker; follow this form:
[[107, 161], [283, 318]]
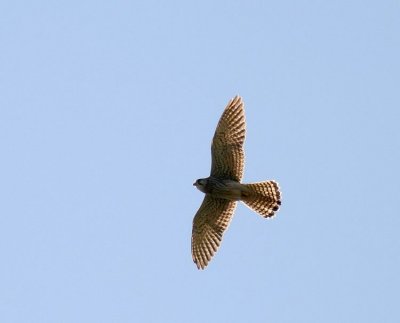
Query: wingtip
[[199, 265], [237, 97], [235, 101]]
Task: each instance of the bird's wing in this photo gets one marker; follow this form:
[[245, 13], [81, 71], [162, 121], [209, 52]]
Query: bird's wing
[[227, 146], [209, 224]]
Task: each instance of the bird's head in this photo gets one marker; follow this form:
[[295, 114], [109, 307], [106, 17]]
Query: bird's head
[[201, 184]]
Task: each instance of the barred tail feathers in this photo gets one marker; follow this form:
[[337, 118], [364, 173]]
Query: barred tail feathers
[[262, 197]]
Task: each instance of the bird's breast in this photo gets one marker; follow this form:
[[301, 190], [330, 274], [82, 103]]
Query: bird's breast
[[225, 189]]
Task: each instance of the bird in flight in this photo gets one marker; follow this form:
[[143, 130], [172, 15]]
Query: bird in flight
[[223, 188]]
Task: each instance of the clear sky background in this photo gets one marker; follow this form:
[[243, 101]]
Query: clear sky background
[[107, 110]]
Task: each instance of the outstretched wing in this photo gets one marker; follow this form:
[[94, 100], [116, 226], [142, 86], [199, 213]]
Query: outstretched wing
[[209, 224], [227, 146]]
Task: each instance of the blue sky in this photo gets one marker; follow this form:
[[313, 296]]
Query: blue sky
[[107, 110]]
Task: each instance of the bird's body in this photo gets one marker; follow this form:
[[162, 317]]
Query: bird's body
[[223, 188]]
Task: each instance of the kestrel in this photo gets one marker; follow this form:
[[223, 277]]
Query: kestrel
[[223, 188]]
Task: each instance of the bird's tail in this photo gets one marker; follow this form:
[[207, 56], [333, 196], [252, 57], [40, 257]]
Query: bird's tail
[[262, 197]]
